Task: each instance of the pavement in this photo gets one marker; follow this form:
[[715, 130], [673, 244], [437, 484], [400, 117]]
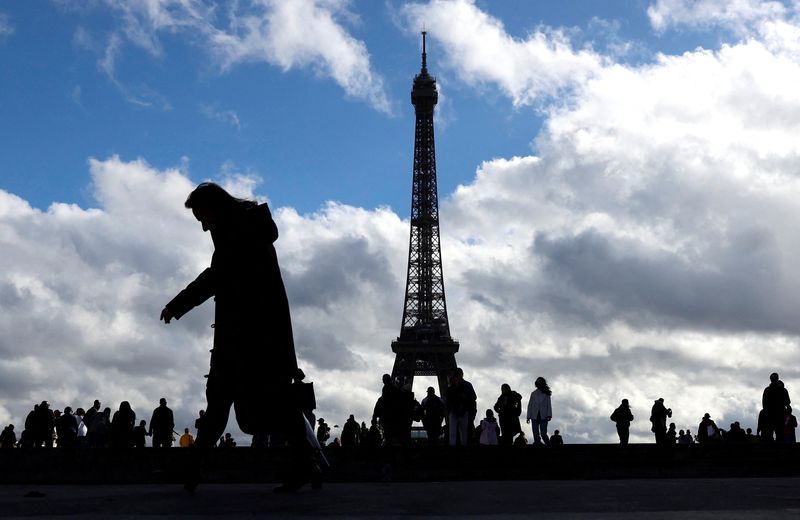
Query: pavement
[[685, 499]]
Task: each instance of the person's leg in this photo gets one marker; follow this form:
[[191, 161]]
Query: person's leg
[[453, 427], [463, 429], [543, 430], [535, 426]]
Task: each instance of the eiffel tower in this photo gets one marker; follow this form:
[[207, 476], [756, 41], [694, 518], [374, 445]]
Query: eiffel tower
[[424, 347]]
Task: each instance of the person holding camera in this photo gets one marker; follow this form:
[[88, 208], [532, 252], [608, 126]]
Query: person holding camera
[[658, 418]]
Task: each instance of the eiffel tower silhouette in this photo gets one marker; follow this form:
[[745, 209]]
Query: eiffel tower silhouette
[[424, 347]]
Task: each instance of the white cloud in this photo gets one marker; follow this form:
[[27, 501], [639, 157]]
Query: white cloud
[[478, 47], [303, 34], [229, 117], [6, 28], [737, 15]]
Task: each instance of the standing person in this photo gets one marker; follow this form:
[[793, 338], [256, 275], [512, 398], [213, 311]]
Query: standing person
[[707, 430], [253, 359], [186, 439], [775, 400], [304, 395], [672, 435], [433, 411], [8, 439], [623, 417], [323, 431], [490, 431], [350, 432], [67, 429], [45, 425], [658, 419], [472, 406], [457, 401], [789, 426], [508, 408], [98, 431], [139, 434], [89, 416], [162, 424], [122, 424], [540, 410], [80, 426]]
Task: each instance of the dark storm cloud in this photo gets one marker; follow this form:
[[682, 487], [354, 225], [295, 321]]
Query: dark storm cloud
[[655, 288], [338, 270]]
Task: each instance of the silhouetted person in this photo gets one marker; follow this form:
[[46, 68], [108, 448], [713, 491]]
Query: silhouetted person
[[707, 430], [775, 400], [540, 410], [350, 432], [521, 440], [363, 434], [672, 435], [374, 437], [66, 429], [162, 423], [98, 431], [253, 359], [323, 431], [44, 425], [623, 417], [8, 439], [390, 411], [186, 439], [658, 420], [508, 407], [556, 438], [789, 426], [122, 424], [762, 426], [140, 434], [736, 434], [304, 395], [80, 426], [198, 423], [90, 413], [473, 406], [29, 434], [433, 412], [227, 441], [490, 430], [458, 401]]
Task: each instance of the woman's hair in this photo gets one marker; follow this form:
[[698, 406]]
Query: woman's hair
[[211, 195], [504, 386], [541, 384]]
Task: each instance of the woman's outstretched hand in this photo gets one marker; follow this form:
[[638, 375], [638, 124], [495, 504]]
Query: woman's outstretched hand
[[166, 315]]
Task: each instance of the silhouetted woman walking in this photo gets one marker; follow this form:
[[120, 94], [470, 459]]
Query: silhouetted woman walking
[[253, 359], [540, 410]]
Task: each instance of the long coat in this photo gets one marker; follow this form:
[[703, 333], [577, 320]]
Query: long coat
[[253, 353]]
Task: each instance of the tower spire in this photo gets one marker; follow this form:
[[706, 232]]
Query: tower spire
[[424, 54]]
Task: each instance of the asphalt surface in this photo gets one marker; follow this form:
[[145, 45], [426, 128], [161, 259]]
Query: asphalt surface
[[580, 499]]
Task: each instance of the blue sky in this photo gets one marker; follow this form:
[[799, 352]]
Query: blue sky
[[618, 187], [297, 130]]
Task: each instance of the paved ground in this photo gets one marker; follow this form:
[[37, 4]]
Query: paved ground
[[620, 499]]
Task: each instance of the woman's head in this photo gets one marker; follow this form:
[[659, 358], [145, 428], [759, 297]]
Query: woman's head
[[541, 384], [504, 388]]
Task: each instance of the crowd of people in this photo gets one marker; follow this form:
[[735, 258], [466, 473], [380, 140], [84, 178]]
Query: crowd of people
[[448, 420], [98, 428]]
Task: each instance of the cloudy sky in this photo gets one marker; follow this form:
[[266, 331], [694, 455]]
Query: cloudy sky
[[619, 190]]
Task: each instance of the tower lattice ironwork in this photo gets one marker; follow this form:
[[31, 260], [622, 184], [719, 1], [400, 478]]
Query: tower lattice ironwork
[[424, 347]]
